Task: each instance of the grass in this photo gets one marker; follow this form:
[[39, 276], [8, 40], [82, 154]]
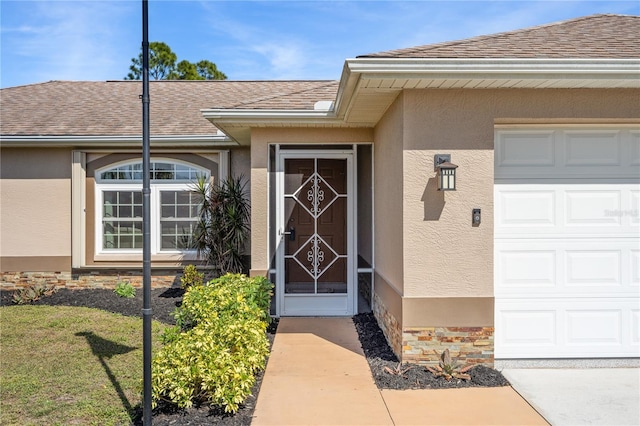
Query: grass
[[70, 365]]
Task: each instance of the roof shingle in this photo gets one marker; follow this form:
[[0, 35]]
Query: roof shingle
[[595, 36], [113, 108]]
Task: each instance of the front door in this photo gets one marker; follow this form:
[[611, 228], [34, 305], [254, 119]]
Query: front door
[[315, 238]]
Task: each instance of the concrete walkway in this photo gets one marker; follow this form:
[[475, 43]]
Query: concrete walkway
[[317, 375]]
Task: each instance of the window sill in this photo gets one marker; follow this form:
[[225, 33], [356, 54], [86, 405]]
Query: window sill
[[137, 257]]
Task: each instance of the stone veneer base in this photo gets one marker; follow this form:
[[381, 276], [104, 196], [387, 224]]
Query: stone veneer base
[[87, 279], [389, 325], [467, 345], [424, 345]]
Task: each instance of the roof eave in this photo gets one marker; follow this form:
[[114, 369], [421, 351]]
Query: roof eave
[[509, 72], [120, 141], [392, 75], [496, 69], [237, 122]]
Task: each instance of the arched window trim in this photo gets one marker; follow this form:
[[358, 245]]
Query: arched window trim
[[178, 167]]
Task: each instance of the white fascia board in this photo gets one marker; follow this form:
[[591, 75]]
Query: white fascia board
[[116, 141], [533, 68], [268, 116]]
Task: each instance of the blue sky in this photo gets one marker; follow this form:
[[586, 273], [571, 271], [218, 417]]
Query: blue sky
[[249, 40]]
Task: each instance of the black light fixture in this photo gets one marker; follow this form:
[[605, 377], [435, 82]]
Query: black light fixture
[[446, 172]]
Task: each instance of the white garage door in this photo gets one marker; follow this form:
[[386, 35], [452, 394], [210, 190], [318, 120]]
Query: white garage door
[[567, 243]]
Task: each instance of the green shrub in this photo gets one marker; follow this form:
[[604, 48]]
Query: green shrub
[[230, 294], [125, 289], [191, 277], [218, 345]]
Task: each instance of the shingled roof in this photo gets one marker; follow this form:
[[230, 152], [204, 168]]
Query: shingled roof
[[595, 36], [113, 108]]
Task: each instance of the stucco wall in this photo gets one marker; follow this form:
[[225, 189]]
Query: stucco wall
[[260, 140], [35, 209], [388, 195], [443, 254]]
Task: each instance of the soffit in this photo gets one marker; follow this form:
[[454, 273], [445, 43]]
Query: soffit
[[370, 85]]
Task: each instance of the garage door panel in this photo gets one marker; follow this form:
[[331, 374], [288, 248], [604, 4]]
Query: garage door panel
[[634, 268], [567, 153], [566, 268], [633, 213], [529, 149], [567, 328], [589, 148], [593, 268], [519, 269], [635, 328], [592, 207], [517, 326], [593, 327], [634, 148], [573, 210], [527, 209]]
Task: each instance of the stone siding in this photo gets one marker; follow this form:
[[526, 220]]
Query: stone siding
[[467, 345], [87, 279], [389, 325]]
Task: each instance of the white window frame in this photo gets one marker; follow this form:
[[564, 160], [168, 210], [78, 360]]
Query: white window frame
[[156, 187]]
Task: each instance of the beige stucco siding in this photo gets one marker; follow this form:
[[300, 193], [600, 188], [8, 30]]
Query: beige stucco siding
[[35, 210], [443, 255], [388, 184], [260, 140]]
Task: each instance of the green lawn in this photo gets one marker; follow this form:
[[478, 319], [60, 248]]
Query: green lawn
[[66, 365]]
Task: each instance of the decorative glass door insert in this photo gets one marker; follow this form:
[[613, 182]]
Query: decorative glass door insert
[[315, 236]]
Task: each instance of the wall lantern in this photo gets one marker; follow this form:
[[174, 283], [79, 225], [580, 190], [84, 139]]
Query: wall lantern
[[446, 172]]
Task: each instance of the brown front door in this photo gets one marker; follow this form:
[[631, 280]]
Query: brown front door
[[315, 235]]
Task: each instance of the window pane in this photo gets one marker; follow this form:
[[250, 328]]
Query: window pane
[[168, 211], [168, 197], [158, 171], [182, 172], [183, 197], [125, 197], [126, 241], [122, 220], [183, 211], [178, 234], [111, 197], [168, 242], [125, 211]]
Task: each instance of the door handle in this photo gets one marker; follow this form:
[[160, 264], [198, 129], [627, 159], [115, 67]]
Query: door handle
[[291, 233]]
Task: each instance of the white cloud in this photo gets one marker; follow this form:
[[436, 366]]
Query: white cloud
[[66, 41]]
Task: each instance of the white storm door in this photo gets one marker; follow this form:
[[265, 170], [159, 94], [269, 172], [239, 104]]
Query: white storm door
[[315, 238]]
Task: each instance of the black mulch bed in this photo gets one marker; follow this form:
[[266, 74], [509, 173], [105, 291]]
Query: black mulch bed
[[164, 302], [379, 356]]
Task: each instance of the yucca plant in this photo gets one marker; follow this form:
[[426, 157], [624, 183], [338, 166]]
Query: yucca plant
[[449, 369], [223, 227]]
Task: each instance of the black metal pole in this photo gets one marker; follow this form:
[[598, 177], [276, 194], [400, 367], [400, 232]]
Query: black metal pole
[[146, 219]]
